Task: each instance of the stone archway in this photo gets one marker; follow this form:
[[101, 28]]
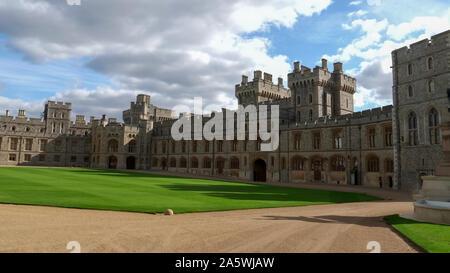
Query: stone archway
[[131, 163], [259, 170], [112, 162]]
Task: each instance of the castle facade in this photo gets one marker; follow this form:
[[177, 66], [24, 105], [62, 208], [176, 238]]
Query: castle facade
[[322, 139]]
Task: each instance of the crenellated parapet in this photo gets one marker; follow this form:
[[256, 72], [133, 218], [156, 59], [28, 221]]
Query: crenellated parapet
[[260, 90]]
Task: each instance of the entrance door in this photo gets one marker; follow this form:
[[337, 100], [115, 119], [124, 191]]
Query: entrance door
[[112, 162], [164, 164], [259, 170], [131, 163], [317, 168]]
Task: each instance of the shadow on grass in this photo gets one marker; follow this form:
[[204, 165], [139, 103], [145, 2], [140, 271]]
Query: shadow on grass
[[334, 219], [270, 193]]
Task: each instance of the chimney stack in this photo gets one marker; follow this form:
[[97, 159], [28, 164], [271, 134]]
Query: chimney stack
[[338, 67], [280, 82], [7, 113], [297, 66], [21, 113], [324, 64], [244, 80]]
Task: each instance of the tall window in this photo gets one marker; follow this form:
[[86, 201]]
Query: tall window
[[173, 146], [113, 146], [298, 116], [206, 146], [132, 146], [297, 163], [194, 163], [373, 164], [412, 129], [388, 136], [337, 140], [298, 141], [234, 146], [430, 86], [234, 163], [207, 163], [430, 63], [433, 130], [316, 141], [410, 91], [43, 145], [13, 143], [28, 144], [409, 69], [310, 115], [338, 163], [372, 136]]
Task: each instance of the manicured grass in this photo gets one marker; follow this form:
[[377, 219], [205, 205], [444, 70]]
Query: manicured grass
[[139, 192], [431, 237]]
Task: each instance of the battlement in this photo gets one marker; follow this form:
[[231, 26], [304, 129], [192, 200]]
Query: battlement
[[423, 47], [59, 104]]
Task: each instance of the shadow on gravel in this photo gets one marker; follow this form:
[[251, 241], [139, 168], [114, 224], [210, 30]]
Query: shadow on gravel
[[334, 219]]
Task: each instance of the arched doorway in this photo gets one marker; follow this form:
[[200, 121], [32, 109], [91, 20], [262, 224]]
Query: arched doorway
[[131, 163], [163, 164], [112, 162], [317, 169], [220, 165], [259, 170]]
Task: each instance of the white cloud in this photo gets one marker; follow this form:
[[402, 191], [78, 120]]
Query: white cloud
[[355, 3], [427, 24], [173, 49], [357, 13]]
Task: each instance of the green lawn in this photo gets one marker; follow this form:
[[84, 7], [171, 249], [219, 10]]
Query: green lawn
[[431, 237], [131, 191]]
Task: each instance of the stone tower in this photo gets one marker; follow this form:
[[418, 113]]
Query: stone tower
[[260, 89], [57, 117], [421, 75], [319, 92]]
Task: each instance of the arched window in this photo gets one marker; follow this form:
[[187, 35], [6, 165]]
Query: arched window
[[430, 86], [207, 163], [234, 146], [234, 163], [433, 130], [310, 99], [183, 146], [173, 162], [412, 129], [183, 163], [409, 69], [297, 141], [113, 146], [132, 146], [338, 163], [310, 115], [373, 164], [194, 162], [297, 163], [430, 63], [410, 91]]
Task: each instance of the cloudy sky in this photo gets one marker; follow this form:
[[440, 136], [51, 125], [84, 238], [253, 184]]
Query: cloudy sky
[[101, 53]]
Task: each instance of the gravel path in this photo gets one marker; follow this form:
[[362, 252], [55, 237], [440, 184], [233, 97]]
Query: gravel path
[[321, 228]]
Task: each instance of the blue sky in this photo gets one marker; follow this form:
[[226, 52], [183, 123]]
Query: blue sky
[[100, 54]]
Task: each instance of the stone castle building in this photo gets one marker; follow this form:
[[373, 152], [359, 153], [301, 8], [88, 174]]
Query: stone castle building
[[322, 139]]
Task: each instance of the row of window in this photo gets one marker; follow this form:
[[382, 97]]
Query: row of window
[[42, 157], [433, 129], [337, 163], [430, 88], [13, 144], [113, 146], [429, 66]]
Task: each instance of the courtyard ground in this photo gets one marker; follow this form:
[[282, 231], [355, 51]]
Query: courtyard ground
[[345, 227]]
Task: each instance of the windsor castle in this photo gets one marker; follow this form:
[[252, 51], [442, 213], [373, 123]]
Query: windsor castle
[[322, 139]]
